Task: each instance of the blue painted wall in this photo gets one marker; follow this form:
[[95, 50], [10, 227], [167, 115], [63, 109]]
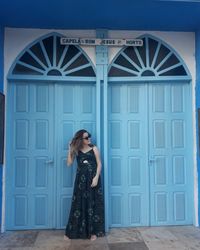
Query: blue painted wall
[[134, 15], [198, 106], [1, 89]]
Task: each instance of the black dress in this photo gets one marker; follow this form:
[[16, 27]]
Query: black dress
[[87, 210]]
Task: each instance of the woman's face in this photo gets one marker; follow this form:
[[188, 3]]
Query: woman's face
[[86, 138]]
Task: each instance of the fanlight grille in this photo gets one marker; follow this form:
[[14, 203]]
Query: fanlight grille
[[152, 59], [48, 57]]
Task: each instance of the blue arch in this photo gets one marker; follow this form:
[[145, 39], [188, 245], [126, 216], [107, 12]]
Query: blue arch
[[48, 70], [152, 73]]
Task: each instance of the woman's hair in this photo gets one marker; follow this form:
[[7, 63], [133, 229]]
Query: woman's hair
[[77, 142]]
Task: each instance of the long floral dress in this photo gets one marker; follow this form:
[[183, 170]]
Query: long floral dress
[[87, 210]]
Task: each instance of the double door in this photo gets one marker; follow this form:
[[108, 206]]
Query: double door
[[42, 119], [150, 154]]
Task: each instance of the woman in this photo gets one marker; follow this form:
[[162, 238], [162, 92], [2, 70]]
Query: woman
[[86, 219]]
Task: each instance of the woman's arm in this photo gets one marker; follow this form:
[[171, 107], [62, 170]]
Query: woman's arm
[[70, 157], [98, 160]]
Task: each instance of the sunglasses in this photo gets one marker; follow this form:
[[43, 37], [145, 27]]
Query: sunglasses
[[87, 137]]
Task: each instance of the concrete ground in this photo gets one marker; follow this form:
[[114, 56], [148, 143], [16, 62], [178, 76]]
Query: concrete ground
[[145, 238]]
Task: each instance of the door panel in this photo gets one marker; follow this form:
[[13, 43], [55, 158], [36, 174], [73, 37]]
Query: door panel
[[127, 155], [170, 143], [31, 167], [75, 110]]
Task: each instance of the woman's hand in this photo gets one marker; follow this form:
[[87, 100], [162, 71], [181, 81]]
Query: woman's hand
[[94, 181], [69, 145], [70, 156]]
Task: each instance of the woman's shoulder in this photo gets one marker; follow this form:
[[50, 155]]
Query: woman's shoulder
[[94, 147]]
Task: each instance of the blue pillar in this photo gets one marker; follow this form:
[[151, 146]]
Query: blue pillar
[[198, 112], [1, 90], [102, 127]]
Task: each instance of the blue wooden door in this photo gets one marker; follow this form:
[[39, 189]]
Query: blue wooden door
[[128, 150], [30, 163], [42, 120], [170, 154], [150, 149], [75, 109]]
